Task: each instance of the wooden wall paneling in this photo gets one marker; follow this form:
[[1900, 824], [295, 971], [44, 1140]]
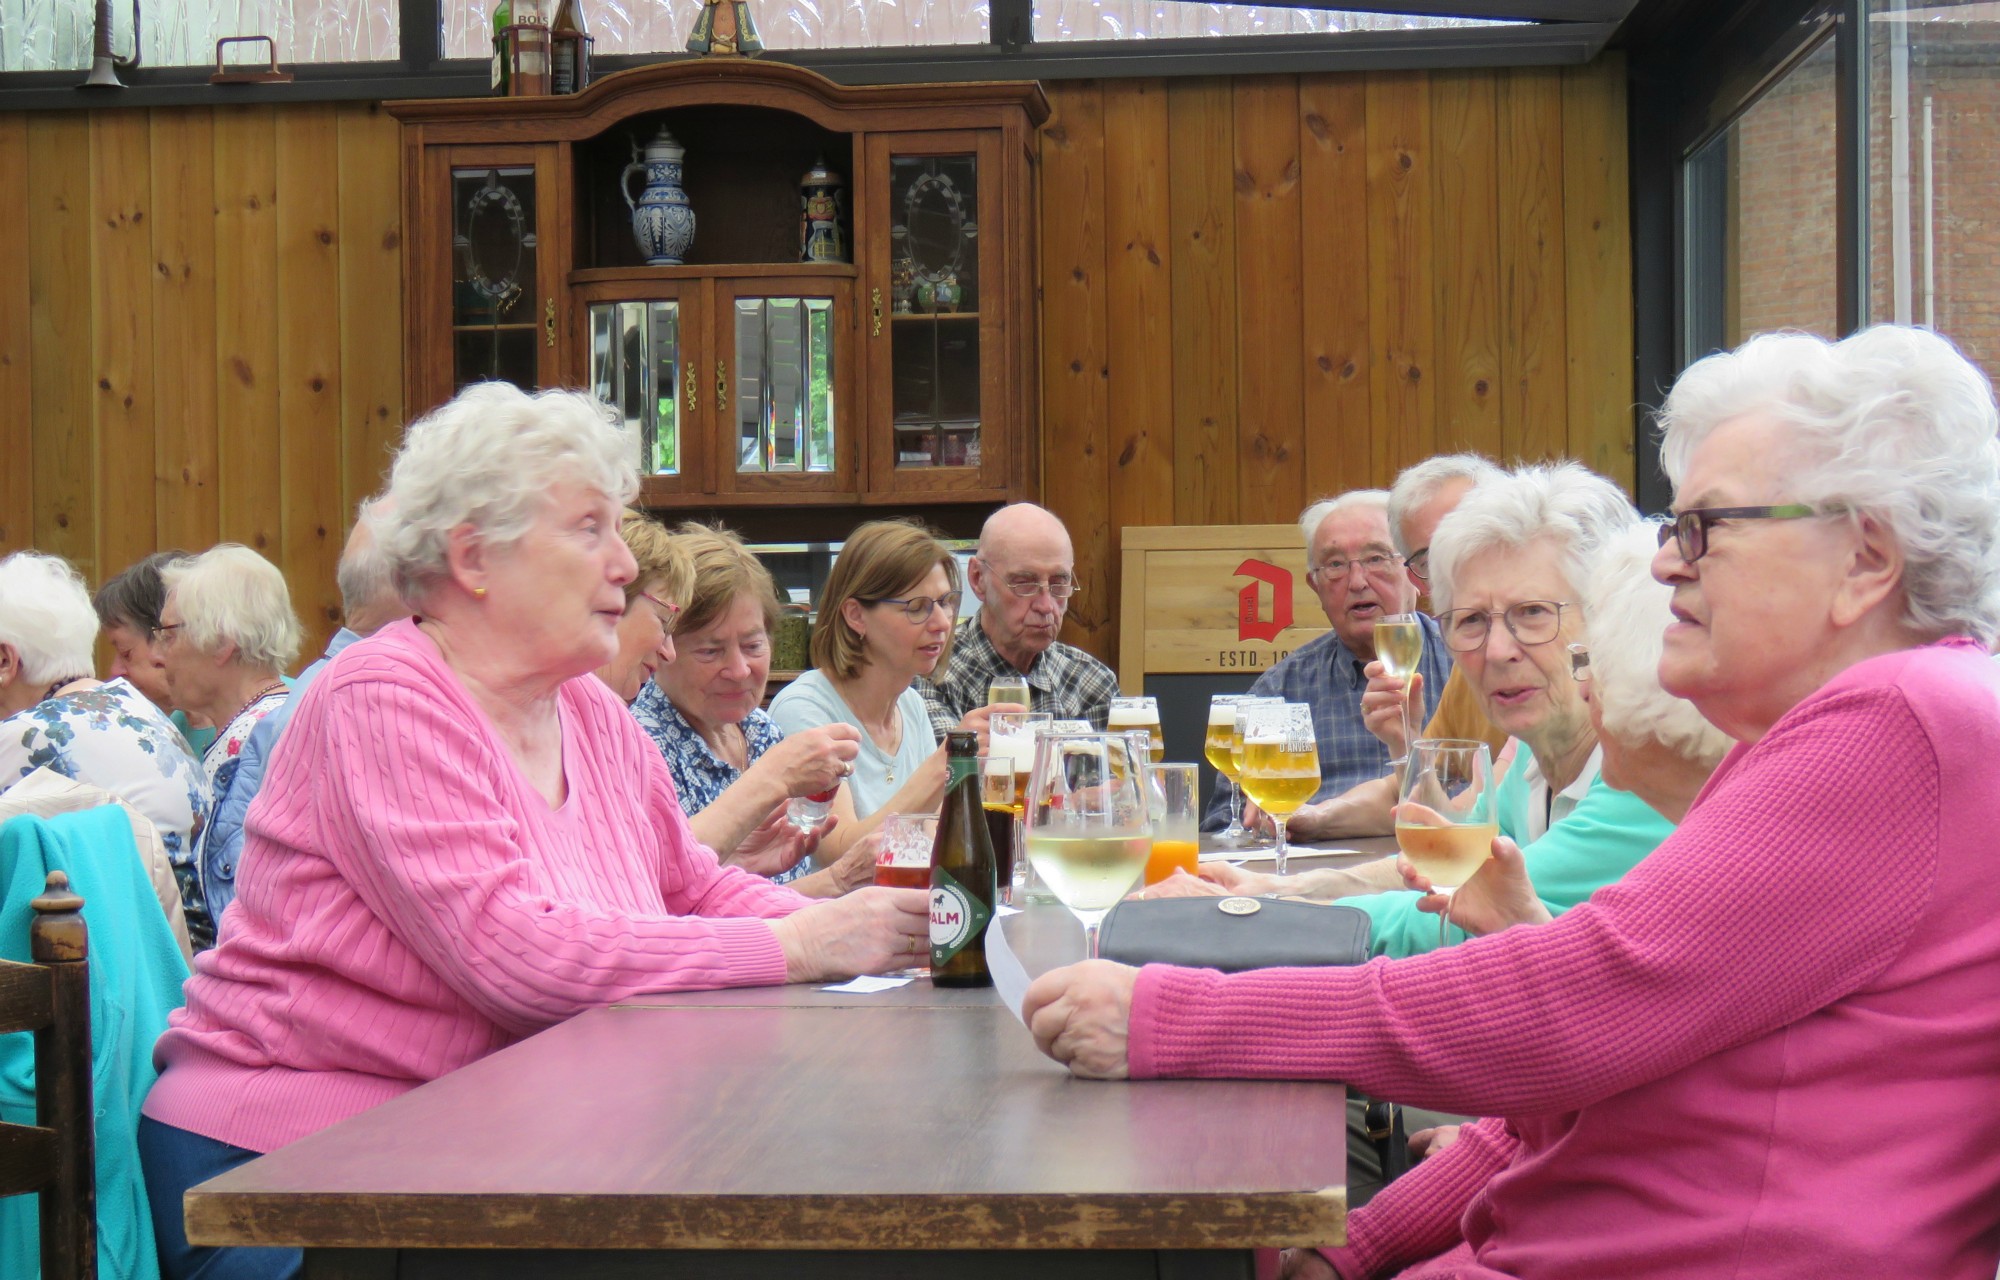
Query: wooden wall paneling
[[1400, 274], [1139, 318], [121, 348], [309, 454], [17, 388], [246, 337], [1270, 389], [1201, 213], [1533, 296], [1597, 247], [1075, 441], [371, 300], [1465, 246], [59, 301], [184, 457], [1333, 275]]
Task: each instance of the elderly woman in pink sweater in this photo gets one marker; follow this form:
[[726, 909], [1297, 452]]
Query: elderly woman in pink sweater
[[1773, 1048], [464, 836]]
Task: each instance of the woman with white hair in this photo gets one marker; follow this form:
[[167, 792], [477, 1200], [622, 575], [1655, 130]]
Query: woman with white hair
[[107, 734], [464, 836], [1710, 1067]]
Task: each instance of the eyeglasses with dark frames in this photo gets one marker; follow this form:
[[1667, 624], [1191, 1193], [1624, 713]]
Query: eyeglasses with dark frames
[[918, 608], [1529, 621], [1689, 529], [1419, 563]]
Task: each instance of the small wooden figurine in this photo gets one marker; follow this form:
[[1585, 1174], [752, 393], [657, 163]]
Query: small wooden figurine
[[724, 27]]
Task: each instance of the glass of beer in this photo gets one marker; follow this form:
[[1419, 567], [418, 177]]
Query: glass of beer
[[1446, 822], [1175, 793], [1008, 690], [1399, 647], [1239, 711], [1139, 714], [1217, 747], [1002, 793], [1089, 828], [1280, 762], [1010, 737], [904, 859]]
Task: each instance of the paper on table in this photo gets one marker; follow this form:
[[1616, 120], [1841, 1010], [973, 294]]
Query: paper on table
[[868, 986], [1267, 855], [1010, 976]]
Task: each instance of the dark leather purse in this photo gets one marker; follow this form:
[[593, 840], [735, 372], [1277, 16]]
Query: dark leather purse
[[1233, 934]]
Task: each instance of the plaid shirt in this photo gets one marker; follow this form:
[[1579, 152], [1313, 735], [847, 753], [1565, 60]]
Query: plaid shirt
[[701, 776], [1064, 681], [1324, 675]]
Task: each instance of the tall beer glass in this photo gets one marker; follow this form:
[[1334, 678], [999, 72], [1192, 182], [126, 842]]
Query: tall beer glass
[[1089, 831], [1280, 762], [1446, 822]]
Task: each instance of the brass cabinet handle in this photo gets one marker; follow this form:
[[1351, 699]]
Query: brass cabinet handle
[[691, 392], [549, 321], [721, 386], [876, 296]]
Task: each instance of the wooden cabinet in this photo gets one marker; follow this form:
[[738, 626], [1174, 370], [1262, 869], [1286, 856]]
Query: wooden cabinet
[[904, 376]]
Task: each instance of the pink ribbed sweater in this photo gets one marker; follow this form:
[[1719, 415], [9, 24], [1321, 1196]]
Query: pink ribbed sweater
[[407, 902], [1772, 1049]]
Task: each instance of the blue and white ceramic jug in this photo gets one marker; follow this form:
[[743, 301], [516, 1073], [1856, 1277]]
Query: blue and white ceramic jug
[[661, 219]]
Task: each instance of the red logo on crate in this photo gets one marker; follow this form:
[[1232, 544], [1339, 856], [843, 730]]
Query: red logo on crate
[[1250, 624]]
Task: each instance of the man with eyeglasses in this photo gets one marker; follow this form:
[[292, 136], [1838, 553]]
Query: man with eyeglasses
[[1023, 576], [1353, 568]]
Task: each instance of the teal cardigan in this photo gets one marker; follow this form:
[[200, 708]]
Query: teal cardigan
[[1601, 839], [136, 973]]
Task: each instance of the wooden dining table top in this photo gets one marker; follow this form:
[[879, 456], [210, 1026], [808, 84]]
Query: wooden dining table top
[[797, 1118]]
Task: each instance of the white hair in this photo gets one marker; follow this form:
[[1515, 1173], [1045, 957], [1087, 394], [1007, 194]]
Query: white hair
[[1314, 516], [1420, 483], [1562, 502], [364, 575], [231, 595], [45, 614], [1892, 423], [1625, 614], [488, 458]]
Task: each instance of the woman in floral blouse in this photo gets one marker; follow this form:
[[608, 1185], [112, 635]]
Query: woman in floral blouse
[[106, 734]]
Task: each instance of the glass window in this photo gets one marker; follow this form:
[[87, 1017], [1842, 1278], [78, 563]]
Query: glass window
[[1934, 170], [1760, 216], [494, 245], [1140, 20], [54, 35], [662, 26]]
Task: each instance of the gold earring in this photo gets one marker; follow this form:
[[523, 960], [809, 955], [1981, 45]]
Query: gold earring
[[479, 593]]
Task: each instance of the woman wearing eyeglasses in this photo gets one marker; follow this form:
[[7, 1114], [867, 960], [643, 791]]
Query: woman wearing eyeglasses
[[885, 618]]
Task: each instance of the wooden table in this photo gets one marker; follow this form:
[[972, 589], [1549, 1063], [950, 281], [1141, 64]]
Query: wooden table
[[791, 1131]]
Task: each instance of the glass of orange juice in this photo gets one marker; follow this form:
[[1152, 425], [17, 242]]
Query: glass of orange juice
[[1175, 793]]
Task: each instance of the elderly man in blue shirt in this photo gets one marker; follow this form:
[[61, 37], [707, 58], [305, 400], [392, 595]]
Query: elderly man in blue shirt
[[368, 602], [1352, 566]]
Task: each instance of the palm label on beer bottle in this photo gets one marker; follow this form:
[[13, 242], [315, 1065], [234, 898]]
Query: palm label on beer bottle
[[957, 917]]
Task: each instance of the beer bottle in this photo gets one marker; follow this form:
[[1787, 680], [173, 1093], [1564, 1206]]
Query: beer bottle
[[571, 73], [503, 17], [963, 883]]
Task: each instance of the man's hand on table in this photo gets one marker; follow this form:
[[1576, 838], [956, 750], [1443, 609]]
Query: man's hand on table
[[1319, 821], [871, 930], [1081, 1016]]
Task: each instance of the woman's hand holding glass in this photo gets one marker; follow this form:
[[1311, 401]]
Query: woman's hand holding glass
[[1384, 704], [871, 930], [815, 760], [1498, 896], [777, 844], [1446, 824]]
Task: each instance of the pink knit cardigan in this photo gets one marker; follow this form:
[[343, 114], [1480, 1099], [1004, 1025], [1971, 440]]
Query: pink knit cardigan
[[408, 902], [1772, 1049]]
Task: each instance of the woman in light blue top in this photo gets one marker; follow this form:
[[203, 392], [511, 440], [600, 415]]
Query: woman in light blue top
[[885, 618]]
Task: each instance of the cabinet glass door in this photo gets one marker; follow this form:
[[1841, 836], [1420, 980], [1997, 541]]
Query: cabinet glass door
[[636, 367], [782, 393], [497, 327]]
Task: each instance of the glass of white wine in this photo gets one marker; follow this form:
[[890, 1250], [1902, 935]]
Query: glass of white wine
[[1446, 821], [1089, 830], [1008, 690], [1399, 647], [1280, 763]]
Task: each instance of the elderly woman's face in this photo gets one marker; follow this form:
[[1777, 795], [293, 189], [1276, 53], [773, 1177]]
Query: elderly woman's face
[[558, 593], [717, 674], [190, 676], [644, 643], [132, 660], [1753, 613], [1526, 688]]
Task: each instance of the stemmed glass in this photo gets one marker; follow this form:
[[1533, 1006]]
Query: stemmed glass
[[1446, 822], [1399, 647], [1010, 746], [1280, 762], [1236, 742], [1089, 832], [1218, 748]]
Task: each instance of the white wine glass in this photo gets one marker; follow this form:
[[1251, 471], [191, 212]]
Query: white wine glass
[[1399, 647], [1447, 819], [1089, 831], [1280, 763], [1008, 690]]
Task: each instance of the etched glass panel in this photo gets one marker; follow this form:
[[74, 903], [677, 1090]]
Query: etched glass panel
[[54, 35], [662, 26], [635, 367], [784, 410], [934, 292], [493, 317]]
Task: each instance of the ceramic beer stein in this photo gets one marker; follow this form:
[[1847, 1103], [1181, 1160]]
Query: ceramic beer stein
[[662, 222]]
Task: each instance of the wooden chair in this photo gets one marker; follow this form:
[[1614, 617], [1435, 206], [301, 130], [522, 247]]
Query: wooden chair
[[56, 1156]]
